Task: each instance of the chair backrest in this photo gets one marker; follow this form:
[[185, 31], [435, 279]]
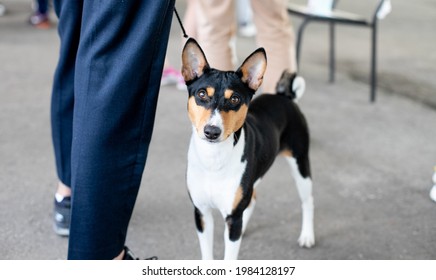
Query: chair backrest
[[321, 6], [383, 8]]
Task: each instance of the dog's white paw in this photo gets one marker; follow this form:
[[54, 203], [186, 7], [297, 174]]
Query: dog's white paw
[[433, 193], [307, 239]]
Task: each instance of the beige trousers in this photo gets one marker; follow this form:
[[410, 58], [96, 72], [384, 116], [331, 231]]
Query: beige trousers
[[217, 26]]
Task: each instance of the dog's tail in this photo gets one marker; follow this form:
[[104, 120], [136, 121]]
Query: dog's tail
[[291, 85]]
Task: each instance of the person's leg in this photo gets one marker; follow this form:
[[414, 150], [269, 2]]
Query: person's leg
[[190, 19], [40, 16], [216, 27], [275, 34], [62, 103], [118, 69], [42, 6]]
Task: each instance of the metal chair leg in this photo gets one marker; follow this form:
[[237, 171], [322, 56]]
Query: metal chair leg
[[332, 52], [373, 62], [299, 38]]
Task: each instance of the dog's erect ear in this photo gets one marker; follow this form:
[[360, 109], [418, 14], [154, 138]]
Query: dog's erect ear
[[253, 68], [194, 61]]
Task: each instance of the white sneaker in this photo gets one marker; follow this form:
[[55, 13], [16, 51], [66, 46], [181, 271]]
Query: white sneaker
[[171, 76], [2, 9], [247, 30]]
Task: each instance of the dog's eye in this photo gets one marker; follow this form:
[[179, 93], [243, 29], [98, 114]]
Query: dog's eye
[[235, 100], [202, 94]]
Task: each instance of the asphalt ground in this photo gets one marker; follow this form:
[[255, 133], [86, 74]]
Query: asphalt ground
[[372, 163]]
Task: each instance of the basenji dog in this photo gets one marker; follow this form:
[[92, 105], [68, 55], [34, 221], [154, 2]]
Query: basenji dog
[[235, 140]]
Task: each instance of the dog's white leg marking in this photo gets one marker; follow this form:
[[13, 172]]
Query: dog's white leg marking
[[206, 237], [231, 249], [433, 193], [232, 246], [304, 186], [249, 210], [433, 190], [247, 214]]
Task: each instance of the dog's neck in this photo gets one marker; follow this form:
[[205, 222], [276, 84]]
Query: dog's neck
[[216, 156]]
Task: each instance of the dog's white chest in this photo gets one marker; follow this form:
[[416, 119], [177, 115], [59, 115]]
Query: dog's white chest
[[214, 173]]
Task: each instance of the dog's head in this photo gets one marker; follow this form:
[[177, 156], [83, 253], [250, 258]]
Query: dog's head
[[218, 100]]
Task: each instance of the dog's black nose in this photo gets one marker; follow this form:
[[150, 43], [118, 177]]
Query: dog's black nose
[[212, 132]]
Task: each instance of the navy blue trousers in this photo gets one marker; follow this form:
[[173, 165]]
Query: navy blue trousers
[[42, 6], [104, 101]]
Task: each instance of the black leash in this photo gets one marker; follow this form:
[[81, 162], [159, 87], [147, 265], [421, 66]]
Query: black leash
[[180, 22]]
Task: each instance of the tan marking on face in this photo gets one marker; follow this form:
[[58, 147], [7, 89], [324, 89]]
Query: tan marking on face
[[233, 120], [228, 93], [210, 91], [287, 153], [238, 197], [198, 114]]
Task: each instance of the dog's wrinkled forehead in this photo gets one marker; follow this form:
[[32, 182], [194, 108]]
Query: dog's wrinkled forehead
[[220, 87]]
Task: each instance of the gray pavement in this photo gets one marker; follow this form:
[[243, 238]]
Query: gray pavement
[[372, 163]]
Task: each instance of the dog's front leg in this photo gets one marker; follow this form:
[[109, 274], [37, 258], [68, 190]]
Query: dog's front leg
[[204, 223], [232, 236]]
